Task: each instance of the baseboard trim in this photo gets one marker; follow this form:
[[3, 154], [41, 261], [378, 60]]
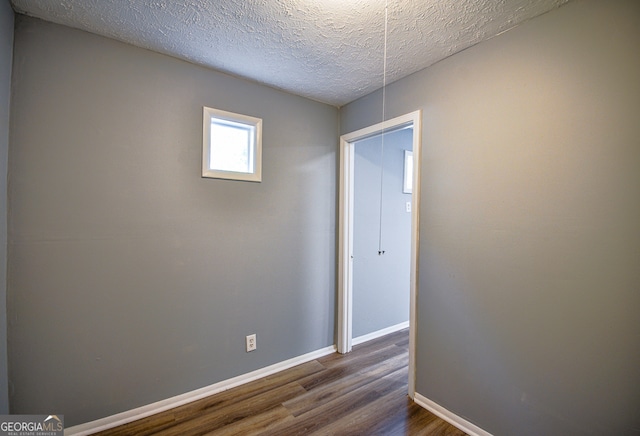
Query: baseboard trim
[[380, 333], [453, 419], [188, 397]]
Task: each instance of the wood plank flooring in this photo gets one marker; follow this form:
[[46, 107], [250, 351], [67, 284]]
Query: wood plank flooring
[[360, 393]]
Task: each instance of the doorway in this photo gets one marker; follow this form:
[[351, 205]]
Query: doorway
[[381, 235], [346, 230]]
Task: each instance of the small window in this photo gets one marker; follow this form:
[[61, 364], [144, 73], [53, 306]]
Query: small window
[[407, 186], [231, 146]]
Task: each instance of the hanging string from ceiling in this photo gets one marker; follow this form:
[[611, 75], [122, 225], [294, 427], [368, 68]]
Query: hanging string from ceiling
[[384, 102]]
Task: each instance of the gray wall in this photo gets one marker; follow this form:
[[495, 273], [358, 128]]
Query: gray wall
[[529, 270], [132, 279], [381, 283], [6, 58]]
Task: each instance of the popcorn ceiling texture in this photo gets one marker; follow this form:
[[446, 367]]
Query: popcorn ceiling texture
[[326, 50]]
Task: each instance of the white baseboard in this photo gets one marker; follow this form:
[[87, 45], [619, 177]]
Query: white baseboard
[[450, 417], [380, 333], [179, 400]]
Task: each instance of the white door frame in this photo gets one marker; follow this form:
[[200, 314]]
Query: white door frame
[[345, 231]]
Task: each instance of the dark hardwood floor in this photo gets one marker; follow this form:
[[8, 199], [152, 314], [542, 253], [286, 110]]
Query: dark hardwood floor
[[360, 393]]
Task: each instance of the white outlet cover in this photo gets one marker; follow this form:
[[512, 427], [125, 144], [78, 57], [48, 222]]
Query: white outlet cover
[[251, 343]]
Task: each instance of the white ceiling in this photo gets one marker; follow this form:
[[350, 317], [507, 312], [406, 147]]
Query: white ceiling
[[326, 50]]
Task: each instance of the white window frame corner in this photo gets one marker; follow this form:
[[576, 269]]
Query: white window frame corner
[[407, 182], [256, 123]]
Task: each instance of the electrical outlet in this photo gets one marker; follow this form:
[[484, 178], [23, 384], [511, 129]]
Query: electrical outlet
[[408, 206], [251, 342]]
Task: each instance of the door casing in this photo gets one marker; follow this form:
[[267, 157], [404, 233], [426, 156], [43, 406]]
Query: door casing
[[345, 230]]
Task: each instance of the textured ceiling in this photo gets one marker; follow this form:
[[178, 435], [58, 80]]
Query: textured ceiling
[[326, 50]]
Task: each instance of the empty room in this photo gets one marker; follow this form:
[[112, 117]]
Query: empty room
[[148, 266]]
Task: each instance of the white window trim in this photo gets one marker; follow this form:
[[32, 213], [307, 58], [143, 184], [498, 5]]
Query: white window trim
[[209, 113], [407, 185]]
